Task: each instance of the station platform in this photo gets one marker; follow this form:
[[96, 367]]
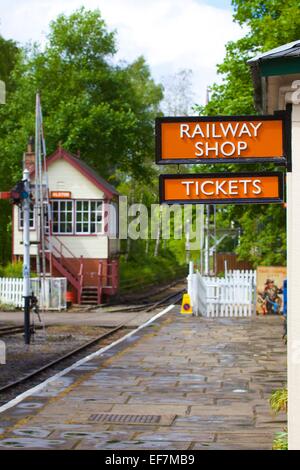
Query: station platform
[[182, 382], [96, 317]]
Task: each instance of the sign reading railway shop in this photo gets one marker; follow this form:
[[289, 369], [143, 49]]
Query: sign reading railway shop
[[220, 188], [220, 139]]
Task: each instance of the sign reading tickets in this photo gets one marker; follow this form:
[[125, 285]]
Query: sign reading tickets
[[221, 188], [232, 139]]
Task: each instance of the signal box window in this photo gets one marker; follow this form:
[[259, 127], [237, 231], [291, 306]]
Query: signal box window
[[31, 218], [89, 217], [62, 216]]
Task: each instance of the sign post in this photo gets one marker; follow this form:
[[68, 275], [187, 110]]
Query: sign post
[[26, 260], [219, 140]]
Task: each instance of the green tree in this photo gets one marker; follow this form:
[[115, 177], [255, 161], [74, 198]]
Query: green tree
[[104, 110], [270, 23], [8, 57], [91, 104]]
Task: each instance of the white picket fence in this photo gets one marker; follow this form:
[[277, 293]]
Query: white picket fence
[[238, 275], [11, 291], [52, 297], [230, 296]]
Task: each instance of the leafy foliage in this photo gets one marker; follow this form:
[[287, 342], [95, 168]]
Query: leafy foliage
[[270, 23], [141, 270], [7, 308], [279, 400], [8, 54], [90, 104], [281, 441], [263, 235], [12, 270], [106, 111]]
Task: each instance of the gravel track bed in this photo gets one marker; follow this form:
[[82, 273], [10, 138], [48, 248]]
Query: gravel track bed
[[22, 360]]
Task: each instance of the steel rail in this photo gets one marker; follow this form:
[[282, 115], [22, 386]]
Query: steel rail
[[81, 348], [14, 329], [62, 358]]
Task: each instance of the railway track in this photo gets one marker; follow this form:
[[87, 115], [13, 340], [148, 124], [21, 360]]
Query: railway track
[[59, 360], [20, 384], [14, 329], [147, 307], [9, 330]]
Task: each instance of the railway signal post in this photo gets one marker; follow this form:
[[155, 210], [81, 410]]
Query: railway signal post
[[26, 259], [20, 196]]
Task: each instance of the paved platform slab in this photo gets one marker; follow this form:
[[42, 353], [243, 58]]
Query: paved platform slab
[[97, 317], [181, 383]]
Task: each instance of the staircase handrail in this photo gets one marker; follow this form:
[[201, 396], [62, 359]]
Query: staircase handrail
[[99, 289], [80, 278], [59, 251], [62, 246]]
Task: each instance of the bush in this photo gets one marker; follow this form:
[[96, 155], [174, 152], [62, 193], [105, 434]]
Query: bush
[[7, 308], [12, 270], [139, 271], [278, 400], [280, 441]]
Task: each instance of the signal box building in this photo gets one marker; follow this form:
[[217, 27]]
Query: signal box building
[[81, 241]]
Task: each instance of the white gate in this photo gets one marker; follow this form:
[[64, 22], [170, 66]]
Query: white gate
[[232, 295], [11, 292], [198, 291], [229, 296]]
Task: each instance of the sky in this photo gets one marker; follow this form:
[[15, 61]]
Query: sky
[[170, 34]]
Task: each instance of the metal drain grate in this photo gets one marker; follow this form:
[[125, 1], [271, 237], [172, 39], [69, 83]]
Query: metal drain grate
[[125, 419]]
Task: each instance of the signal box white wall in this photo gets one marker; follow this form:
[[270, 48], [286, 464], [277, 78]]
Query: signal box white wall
[[83, 226]]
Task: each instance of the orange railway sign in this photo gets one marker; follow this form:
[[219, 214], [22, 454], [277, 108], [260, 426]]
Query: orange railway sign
[[222, 188], [223, 139], [60, 194]]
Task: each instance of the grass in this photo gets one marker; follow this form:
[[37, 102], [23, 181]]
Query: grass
[[140, 271], [12, 270], [279, 402], [7, 308], [281, 441]]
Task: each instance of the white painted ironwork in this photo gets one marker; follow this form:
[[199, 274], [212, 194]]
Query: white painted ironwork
[[232, 295], [229, 296], [54, 297], [2, 92], [41, 201], [198, 294], [197, 291]]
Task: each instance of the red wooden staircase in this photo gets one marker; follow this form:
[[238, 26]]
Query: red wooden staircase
[[66, 263], [61, 258]]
